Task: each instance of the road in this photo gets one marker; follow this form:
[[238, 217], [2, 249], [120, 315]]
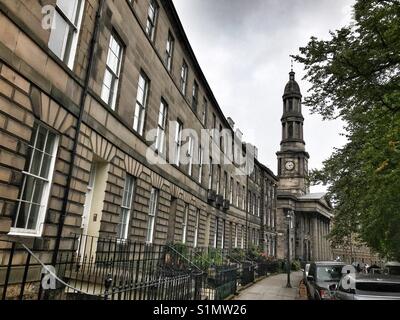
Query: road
[[273, 288]]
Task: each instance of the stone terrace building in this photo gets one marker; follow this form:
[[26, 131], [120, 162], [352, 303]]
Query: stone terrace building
[[77, 104]]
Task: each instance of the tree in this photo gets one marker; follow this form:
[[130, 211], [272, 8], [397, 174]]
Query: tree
[[355, 76]]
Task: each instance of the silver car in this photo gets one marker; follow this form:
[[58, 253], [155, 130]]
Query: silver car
[[370, 287]]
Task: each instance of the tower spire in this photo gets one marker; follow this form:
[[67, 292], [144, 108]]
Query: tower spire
[[292, 158]]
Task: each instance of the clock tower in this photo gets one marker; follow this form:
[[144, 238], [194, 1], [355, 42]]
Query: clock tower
[[293, 158]]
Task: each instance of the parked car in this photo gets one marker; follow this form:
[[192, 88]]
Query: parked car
[[322, 279], [370, 287], [392, 268], [305, 272], [375, 271]]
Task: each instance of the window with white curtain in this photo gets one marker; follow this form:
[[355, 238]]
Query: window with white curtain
[[152, 15], [109, 90], [201, 160], [190, 155], [169, 51], [236, 236], [153, 207], [126, 208], [161, 127], [141, 103], [184, 77], [64, 34], [223, 235], [185, 223], [196, 228], [178, 142], [215, 233], [242, 237], [210, 175]]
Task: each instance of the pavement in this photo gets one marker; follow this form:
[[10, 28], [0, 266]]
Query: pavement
[[274, 288]]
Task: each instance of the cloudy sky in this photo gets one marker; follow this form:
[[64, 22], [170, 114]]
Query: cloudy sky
[[243, 48]]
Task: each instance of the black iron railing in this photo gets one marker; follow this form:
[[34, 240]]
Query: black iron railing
[[114, 269]]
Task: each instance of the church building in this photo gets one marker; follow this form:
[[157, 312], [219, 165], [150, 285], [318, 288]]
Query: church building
[[307, 216]]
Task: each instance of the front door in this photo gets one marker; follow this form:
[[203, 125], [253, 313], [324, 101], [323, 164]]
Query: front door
[[93, 209], [86, 212]]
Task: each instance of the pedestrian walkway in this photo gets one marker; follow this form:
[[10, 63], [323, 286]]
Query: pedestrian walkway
[[273, 288]]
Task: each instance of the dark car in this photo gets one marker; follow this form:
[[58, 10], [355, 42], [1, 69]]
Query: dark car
[[392, 268], [370, 287], [323, 278]]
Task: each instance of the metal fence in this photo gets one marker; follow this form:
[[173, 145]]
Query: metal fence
[[19, 275], [93, 268]]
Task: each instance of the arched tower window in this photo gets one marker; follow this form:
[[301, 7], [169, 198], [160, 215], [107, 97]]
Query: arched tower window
[[298, 133], [290, 130], [284, 131], [290, 105]]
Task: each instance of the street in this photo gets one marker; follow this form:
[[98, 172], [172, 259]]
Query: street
[[273, 288]]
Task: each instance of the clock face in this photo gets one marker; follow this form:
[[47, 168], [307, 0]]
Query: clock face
[[289, 165]]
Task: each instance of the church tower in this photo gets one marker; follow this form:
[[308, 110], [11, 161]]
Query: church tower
[[293, 158]]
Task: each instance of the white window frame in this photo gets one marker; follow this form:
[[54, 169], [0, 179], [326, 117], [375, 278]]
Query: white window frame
[[184, 77], [237, 194], [111, 97], [242, 237], [210, 175], [185, 223], [169, 51], [126, 207], [205, 112], [178, 142], [225, 185], [218, 180], [190, 155], [231, 190], [153, 208], [45, 195], [201, 163], [236, 236], [196, 228], [70, 41], [152, 17], [161, 127], [216, 233], [244, 198], [223, 235], [141, 104], [195, 96]]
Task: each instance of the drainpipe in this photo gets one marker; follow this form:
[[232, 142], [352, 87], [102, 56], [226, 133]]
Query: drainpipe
[[247, 212], [93, 47]]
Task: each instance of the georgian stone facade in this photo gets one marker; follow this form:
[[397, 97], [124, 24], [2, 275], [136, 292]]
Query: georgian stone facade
[[70, 105]]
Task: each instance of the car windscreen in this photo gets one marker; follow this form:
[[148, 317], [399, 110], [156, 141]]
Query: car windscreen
[[379, 287], [329, 273]]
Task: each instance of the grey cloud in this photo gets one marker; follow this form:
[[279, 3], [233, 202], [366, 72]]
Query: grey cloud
[[243, 48]]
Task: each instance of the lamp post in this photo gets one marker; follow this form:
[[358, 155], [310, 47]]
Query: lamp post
[[289, 217]]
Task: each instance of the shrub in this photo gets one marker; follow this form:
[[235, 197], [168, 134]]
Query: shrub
[[296, 265]]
